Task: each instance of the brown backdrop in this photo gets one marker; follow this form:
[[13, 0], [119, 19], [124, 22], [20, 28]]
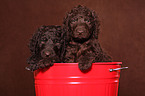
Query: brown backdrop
[[122, 35]]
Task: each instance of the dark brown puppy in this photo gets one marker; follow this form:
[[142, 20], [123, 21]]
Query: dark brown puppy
[[45, 47], [81, 29]]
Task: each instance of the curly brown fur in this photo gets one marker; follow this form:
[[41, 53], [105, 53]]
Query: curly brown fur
[[45, 47], [81, 29]]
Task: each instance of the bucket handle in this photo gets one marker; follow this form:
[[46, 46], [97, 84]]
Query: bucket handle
[[111, 70]]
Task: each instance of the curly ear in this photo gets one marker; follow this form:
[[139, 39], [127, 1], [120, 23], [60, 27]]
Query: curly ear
[[34, 46], [66, 28], [95, 25]]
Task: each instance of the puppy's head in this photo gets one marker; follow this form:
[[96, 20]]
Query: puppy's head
[[81, 24], [44, 43], [80, 28]]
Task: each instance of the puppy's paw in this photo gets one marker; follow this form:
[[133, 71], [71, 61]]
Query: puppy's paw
[[84, 67], [45, 63], [32, 67]]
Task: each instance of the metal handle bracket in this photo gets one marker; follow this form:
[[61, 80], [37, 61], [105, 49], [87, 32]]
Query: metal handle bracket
[[111, 70]]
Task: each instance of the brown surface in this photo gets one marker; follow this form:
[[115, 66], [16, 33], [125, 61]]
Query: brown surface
[[122, 35]]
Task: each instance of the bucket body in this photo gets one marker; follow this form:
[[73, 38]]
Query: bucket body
[[65, 79]]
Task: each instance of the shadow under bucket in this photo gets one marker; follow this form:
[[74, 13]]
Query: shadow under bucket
[[65, 79]]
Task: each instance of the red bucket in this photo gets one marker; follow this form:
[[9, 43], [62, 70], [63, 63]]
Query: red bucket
[[65, 79]]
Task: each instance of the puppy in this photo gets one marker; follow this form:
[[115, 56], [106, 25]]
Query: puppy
[[81, 29], [45, 47]]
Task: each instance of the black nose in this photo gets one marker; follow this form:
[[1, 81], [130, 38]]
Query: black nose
[[80, 31], [47, 54]]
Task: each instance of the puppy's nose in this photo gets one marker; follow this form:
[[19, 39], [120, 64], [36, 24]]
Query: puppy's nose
[[80, 31], [47, 54]]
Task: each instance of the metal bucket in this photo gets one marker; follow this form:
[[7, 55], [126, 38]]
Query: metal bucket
[[65, 79]]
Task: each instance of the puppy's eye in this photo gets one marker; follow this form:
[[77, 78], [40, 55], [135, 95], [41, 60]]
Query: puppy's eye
[[44, 39], [74, 20], [87, 20]]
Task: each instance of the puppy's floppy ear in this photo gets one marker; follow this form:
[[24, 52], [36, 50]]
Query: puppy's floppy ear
[[66, 27], [56, 49], [34, 47], [95, 25]]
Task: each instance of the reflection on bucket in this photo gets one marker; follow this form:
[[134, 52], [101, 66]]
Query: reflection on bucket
[[65, 79]]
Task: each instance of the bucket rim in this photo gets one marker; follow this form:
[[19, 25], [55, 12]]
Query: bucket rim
[[96, 63]]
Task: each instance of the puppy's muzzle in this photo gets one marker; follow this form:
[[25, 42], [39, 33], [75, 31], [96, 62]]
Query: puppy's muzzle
[[46, 53]]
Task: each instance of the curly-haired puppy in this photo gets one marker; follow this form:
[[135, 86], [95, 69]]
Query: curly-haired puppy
[[45, 47], [81, 27]]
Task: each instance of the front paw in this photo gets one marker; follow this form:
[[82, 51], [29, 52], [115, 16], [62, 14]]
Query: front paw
[[83, 66], [45, 63], [32, 67]]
